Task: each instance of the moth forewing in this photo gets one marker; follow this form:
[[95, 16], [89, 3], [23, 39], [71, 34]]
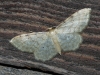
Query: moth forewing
[[76, 22]]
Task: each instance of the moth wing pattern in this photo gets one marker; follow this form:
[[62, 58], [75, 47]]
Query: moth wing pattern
[[69, 41], [68, 31], [76, 22], [38, 43], [47, 50]]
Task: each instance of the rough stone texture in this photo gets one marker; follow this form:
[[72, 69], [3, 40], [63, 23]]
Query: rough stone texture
[[4, 70]]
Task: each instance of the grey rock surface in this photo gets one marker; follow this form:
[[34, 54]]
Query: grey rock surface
[[14, 71]]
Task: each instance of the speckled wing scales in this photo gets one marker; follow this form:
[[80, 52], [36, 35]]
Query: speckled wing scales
[[69, 41], [68, 31], [76, 22], [47, 50], [39, 43], [28, 42]]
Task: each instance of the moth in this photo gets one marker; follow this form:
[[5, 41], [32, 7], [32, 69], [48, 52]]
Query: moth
[[65, 37]]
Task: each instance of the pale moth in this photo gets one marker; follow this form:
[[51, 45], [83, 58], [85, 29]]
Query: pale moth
[[65, 37]]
